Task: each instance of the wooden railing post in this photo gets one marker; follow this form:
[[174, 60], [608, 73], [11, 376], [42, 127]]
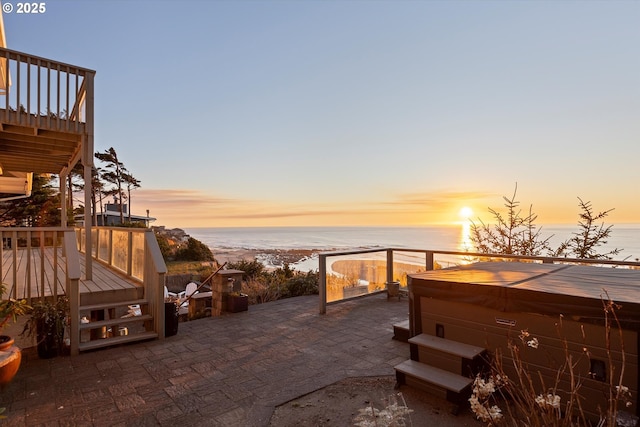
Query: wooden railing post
[[322, 285], [429, 260], [154, 275], [73, 290], [389, 266]]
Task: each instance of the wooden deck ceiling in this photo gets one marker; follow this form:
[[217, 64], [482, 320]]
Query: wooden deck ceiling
[[34, 148]]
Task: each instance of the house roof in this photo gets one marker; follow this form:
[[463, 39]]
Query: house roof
[[117, 214]]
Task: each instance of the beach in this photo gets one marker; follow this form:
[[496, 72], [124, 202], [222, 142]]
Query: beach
[[275, 245], [270, 257]]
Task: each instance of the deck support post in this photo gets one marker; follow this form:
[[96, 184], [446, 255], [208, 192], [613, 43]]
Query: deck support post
[[322, 285]]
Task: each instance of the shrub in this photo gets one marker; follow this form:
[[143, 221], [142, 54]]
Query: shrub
[[252, 269], [195, 250], [165, 247], [301, 284]]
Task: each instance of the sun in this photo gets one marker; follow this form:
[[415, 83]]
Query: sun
[[466, 212]]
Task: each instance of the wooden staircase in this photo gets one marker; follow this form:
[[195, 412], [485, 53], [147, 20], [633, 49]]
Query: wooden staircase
[[401, 331], [115, 323], [442, 367]]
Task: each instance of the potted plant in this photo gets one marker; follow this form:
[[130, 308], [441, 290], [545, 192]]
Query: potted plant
[[171, 315], [237, 302], [10, 354], [47, 322]]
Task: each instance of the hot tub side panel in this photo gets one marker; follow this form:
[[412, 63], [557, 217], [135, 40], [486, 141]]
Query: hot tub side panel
[[559, 337]]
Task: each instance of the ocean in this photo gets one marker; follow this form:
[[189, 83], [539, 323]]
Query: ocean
[[449, 238]]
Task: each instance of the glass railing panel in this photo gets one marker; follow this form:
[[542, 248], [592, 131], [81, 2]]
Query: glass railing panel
[[120, 249], [137, 248], [355, 275], [406, 263], [103, 244]]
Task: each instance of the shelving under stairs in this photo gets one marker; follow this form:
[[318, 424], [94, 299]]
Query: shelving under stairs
[[113, 323]]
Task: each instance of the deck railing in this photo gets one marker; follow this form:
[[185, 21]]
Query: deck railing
[[43, 93], [352, 273], [123, 249], [128, 250], [135, 253], [39, 262]]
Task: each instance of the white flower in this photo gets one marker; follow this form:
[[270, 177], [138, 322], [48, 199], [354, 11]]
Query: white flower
[[533, 343], [483, 388], [622, 389], [495, 412], [548, 401]]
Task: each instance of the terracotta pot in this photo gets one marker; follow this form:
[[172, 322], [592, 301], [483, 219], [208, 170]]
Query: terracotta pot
[[10, 357]]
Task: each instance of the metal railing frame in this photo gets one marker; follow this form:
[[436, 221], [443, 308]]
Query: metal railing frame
[[429, 263]]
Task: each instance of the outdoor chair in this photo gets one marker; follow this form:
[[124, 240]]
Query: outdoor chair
[[191, 289]]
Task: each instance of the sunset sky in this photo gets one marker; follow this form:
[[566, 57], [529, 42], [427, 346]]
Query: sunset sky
[[268, 113]]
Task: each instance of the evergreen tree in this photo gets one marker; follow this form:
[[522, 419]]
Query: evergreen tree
[[118, 177], [113, 176], [41, 209], [585, 242], [131, 183], [514, 234]]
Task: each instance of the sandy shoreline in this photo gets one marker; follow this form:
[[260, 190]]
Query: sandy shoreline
[[276, 257]]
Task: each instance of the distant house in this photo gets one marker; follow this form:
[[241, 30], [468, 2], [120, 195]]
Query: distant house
[[110, 217]]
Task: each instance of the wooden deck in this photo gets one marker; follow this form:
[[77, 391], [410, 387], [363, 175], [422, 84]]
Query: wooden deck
[[35, 276]]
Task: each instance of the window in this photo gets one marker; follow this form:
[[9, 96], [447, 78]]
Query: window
[[598, 370]]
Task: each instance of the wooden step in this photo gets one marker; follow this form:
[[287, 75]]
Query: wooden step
[[452, 387], [432, 375], [113, 322], [105, 306], [401, 331], [443, 345], [108, 342]]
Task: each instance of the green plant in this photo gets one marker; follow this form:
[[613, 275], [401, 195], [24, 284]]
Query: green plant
[[11, 308], [48, 317], [195, 250], [251, 269]]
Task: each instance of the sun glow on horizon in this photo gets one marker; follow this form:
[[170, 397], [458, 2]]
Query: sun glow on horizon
[[466, 212]]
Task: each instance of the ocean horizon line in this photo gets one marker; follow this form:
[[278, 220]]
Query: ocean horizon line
[[450, 225], [447, 238]]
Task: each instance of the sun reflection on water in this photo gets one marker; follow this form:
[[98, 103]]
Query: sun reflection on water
[[465, 244]]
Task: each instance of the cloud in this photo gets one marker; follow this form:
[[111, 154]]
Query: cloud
[[440, 198], [185, 208], [185, 197]]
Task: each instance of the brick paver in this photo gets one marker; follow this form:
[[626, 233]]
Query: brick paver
[[231, 370]]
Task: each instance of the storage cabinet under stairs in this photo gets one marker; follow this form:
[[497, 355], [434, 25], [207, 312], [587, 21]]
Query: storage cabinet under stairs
[[105, 325], [443, 367]]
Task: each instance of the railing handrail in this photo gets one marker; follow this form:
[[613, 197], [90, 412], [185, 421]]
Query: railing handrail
[[429, 262], [67, 68], [545, 259], [31, 229]]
